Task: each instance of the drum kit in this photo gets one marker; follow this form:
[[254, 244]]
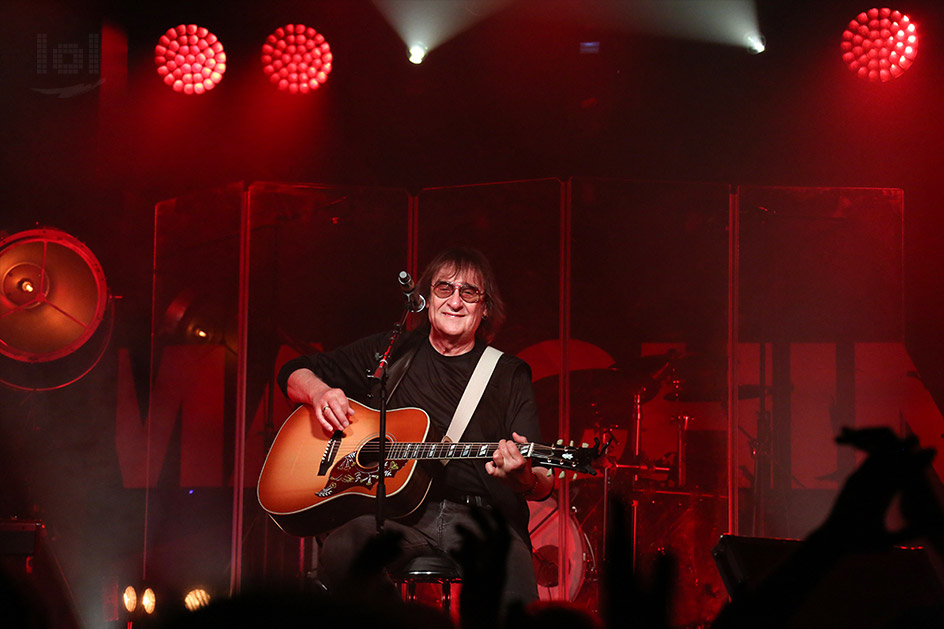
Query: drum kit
[[671, 510]]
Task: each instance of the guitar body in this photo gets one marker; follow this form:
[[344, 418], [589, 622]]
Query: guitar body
[[312, 482]]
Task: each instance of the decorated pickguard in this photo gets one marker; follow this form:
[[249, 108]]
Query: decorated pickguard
[[347, 474]]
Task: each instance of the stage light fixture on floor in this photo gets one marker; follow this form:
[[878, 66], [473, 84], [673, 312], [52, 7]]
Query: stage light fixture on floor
[[879, 44], [196, 598], [190, 59], [296, 58], [148, 601], [129, 599], [138, 605]]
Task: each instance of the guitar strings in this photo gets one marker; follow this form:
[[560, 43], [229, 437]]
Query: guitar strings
[[420, 446], [433, 450]]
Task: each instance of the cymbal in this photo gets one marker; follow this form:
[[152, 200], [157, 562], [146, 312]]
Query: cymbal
[[687, 393], [697, 378], [615, 383], [652, 366], [646, 373], [597, 397]]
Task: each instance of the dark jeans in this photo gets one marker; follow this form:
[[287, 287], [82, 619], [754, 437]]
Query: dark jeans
[[431, 531]]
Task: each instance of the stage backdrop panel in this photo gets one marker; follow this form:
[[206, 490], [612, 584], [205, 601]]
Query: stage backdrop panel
[[245, 278], [821, 264], [188, 448], [650, 286], [821, 278], [322, 272]]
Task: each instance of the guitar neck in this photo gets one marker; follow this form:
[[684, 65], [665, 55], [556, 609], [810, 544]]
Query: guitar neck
[[440, 451]]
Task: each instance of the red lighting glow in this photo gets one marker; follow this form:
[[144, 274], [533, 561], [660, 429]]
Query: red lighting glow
[[190, 59], [296, 58], [880, 44]]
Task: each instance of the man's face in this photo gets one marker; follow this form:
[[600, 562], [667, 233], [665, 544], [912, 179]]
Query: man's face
[[452, 319]]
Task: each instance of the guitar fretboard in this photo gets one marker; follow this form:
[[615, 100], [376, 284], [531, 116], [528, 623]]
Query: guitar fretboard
[[463, 450]]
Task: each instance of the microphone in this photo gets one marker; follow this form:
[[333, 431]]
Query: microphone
[[415, 301]]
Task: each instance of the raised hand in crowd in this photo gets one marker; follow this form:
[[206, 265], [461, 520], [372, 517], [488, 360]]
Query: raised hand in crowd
[[894, 467]]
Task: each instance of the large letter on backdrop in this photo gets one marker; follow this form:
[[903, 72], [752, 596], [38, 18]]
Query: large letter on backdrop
[[189, 385]]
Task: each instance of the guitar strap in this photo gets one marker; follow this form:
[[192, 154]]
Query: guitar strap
[[472, 394], [398, 369]]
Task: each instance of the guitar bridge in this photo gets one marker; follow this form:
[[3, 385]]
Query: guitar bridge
[[330, 453]]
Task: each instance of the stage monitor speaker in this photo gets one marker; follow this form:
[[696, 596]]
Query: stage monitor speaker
[[34, 591], [18, 537], [898, 587]]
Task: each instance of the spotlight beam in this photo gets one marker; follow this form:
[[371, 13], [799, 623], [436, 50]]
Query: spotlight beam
[[729, 22], [430, 24], [726, 22]]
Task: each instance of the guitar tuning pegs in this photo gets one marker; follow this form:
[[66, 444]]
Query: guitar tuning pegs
[[571, 443], [575, 476], [550, 473], [584, 445], [561, 475], [560, 442]]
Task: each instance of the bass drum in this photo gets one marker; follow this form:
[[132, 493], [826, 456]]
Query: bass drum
[[544, 526]]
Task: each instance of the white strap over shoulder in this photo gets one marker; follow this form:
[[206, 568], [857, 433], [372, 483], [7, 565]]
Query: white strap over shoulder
[[472, 394]]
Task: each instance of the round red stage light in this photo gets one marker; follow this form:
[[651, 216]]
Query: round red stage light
[[879, 44], [296, 58], [190, 59]]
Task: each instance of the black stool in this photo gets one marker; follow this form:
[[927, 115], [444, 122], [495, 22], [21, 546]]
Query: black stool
[[427, 569]]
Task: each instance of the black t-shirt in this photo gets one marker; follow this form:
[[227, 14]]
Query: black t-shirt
[[435, 383]]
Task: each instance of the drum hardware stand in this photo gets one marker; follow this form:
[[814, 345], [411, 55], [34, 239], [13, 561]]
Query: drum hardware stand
[[639, 464], [757, 451], [637, 451], [681, 422], [637, 431], [761, 455]]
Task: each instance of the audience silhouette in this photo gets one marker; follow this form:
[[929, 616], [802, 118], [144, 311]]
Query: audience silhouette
[[894, 469]]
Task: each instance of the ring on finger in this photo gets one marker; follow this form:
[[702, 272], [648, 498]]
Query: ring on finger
[[325, 408]]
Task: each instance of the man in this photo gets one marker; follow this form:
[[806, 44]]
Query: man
[[464, 312]]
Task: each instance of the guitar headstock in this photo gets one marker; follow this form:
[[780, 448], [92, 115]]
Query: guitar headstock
[[570, 458]]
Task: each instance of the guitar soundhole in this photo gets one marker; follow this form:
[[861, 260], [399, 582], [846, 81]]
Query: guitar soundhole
[[369, 454]]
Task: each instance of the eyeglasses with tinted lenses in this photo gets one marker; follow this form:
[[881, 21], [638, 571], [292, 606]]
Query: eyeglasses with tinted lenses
[[469, 294]]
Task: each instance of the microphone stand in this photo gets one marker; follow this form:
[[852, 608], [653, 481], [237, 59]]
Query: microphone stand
[[380, 375]]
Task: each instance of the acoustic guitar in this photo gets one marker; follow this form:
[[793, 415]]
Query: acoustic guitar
[[312, 482]]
